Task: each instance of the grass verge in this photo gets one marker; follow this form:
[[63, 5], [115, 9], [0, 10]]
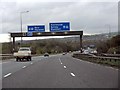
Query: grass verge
[[112, 62]]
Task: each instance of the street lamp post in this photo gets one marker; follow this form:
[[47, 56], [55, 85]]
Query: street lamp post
[[109, 34], [21, 22]]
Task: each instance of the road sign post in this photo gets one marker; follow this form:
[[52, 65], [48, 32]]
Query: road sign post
[[81, 43]]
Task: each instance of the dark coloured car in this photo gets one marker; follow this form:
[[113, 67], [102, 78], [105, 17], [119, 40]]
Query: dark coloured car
[[46, 55]]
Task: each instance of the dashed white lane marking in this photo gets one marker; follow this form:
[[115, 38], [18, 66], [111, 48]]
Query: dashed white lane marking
[[7, 75], [64, 66], [23, 66], [72, 74], [31, 63], [60, 61]]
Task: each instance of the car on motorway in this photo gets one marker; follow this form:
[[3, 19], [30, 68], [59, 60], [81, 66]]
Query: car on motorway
[[23, 53], [85, 52], [63, 54], [46, 55]]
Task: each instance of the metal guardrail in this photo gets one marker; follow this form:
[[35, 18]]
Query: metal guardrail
[[6, 54], [9, 56], [97, 57], [110, 55], [110, 61], [104, 58]]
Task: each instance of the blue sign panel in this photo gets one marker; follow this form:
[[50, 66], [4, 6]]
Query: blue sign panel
[[58, 27], [36, 28]]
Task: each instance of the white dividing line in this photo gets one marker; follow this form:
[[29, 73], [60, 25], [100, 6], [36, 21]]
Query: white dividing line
[[64, 66], [23, 66], [31, 63], [72, 74], [7, 75], [60, 61]]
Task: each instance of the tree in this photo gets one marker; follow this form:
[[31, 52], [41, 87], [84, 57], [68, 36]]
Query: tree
[[109, 46]]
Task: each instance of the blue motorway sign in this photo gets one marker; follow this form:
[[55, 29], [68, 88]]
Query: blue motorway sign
[[36, 28], [58, 27]]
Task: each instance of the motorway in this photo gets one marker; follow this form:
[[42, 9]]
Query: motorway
[[57, 71]]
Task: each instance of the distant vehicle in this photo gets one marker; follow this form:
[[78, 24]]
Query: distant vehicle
[[63, 54], [46, 55], [94, 52], [70, 51], [23, 53], [86, 52]]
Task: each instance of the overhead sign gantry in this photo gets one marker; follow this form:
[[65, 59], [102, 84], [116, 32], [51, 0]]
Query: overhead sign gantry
[[56, 29]]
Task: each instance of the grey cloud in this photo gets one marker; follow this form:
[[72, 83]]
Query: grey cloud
[[92, 16]]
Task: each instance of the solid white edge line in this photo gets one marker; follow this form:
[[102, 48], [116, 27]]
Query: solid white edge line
[[7, 75], [23, 66], [72, 74], [112, 68]]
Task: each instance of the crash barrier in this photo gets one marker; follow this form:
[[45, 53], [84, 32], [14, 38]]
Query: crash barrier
[[9, 56], [97, 57], [110, 61], [110, 55], [6, 56]]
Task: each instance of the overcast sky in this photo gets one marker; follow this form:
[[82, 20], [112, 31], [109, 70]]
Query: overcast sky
[[91, 16]]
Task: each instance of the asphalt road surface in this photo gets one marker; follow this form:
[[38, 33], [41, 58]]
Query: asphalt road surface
[[57, 71]]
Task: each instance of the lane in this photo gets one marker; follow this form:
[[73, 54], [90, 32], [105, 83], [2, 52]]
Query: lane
[[12, 66], [47, 73], [62, 71], [94, 75]]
